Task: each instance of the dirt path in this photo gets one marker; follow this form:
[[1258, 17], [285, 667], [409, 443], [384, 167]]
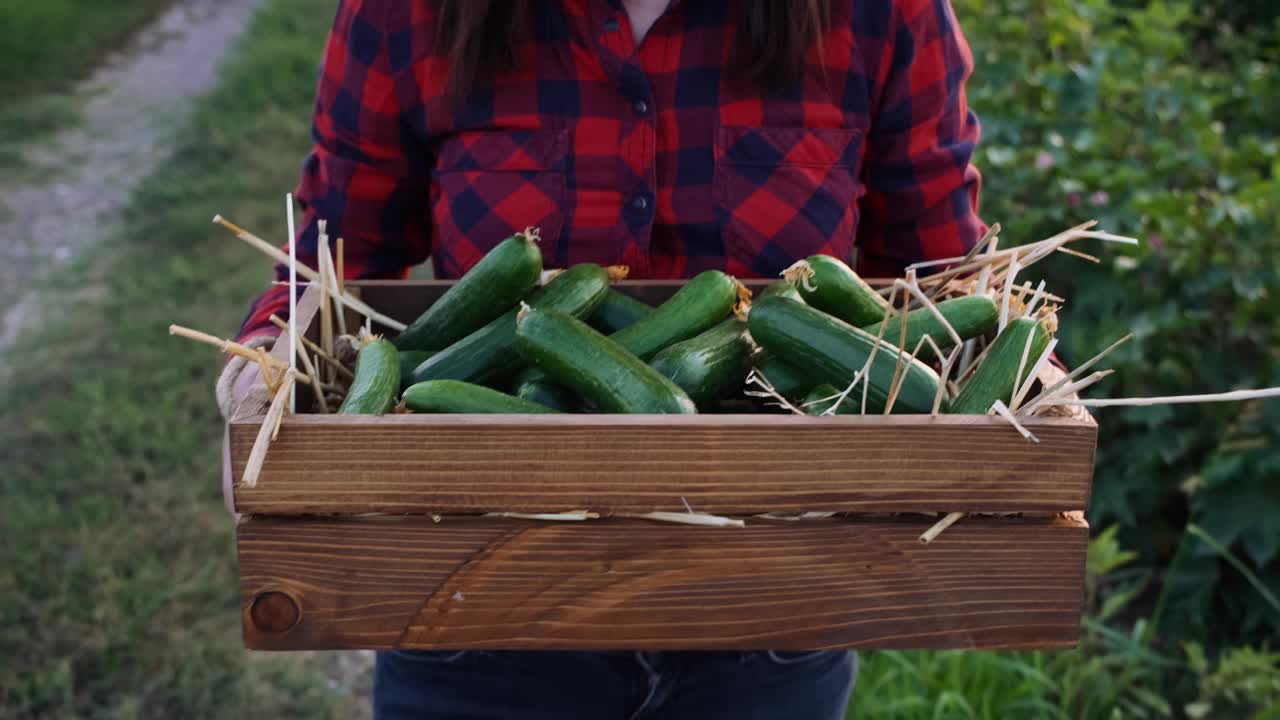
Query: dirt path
[[81, 180], [133, 106]]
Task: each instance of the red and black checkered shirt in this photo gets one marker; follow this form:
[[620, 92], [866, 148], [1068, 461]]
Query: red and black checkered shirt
[[642, 155]]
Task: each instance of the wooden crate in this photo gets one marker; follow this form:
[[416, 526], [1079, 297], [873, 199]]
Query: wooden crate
[[371, 532]]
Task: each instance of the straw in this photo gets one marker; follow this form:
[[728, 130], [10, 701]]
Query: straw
[[1008, 293], [293, 299], [684, 518], [319, 351], [572, 515], [1031, 377], [275, 254], [1080, 370], [932, 533], [270, 426], [999, 408], [1234, 396], [230, 347]]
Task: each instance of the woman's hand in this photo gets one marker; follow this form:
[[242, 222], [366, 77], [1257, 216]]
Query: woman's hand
[[237, 381]]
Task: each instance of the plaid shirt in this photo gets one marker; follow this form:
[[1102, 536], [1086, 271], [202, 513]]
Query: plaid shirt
[[641, 155]]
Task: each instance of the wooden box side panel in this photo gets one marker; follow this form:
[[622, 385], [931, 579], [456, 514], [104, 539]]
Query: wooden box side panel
[[724, 464], [478, 583]]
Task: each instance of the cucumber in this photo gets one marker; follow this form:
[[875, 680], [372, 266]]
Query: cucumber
[[969, 316], [782, 288], [494, 285], [833, 287], [997, 377], [594, 366], [702, 302], [533, 385], [820, 399], [709, 366], [377, 380], [790, 382], [833, 351], [452, 396], [618, 311], [488, 355], [409, 361]]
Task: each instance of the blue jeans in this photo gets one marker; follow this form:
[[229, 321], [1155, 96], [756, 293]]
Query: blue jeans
[[478, 685]]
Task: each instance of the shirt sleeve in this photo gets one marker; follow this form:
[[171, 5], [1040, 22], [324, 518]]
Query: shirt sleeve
[[368, 172], [921, 196]]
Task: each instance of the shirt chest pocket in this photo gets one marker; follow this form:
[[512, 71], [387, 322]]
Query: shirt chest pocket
[[490, 185], [786, 193]]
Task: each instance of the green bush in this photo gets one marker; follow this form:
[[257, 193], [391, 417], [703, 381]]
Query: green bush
[[1111, 675], [1245, 684], [1121, 111]]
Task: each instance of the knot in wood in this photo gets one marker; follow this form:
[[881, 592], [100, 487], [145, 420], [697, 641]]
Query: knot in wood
[[274, 612]]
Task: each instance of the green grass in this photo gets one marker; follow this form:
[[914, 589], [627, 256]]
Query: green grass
[[1109, 672], [55, 42], [1089, 683], [30, 119], [925, 685], [45, 47], [118, 592]]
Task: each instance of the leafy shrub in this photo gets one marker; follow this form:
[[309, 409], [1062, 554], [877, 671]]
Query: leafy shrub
[[1120, 111], [1245, 684], [1110, 672]]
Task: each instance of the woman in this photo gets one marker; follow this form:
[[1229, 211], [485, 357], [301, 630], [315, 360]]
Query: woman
[[671, 136]]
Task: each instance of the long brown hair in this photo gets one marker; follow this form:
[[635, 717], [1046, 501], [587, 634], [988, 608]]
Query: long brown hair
[[480, 38]]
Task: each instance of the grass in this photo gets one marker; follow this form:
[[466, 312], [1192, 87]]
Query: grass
[[1088, 683], [909, 685], [1111, 674], [55, 42], [120, 600]]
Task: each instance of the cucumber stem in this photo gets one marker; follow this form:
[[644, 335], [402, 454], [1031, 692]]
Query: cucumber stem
[[800, 274]]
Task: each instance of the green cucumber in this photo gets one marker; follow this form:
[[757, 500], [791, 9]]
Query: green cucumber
[[488, 355], [409, 361], [833, 287], [781, 288], [535, 386], [594, 366], [618, 311], [821, 398], [702, 302], [377, 380], [709, 366], [790, 382], [834, 352], [452, 396], [997, 377], [970, 317], [494, 285]]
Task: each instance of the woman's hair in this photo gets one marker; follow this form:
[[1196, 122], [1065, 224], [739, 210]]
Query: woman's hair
[[480, 38]]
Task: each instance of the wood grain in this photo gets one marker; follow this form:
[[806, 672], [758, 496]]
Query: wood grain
[[729, 464], [478, 583]]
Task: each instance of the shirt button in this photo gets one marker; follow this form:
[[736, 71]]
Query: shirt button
[[640, 202], [611, 25], [641, 107]]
